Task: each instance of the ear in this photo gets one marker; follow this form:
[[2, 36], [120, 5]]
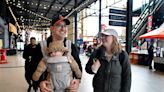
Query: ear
[[51, 28]]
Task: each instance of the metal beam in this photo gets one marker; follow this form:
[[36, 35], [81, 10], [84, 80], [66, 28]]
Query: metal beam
[[75, 7], [52, 3], [64, 6], [36, 10], [38, 6]]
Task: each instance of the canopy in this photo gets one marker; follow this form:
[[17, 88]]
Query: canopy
[[157, 33]]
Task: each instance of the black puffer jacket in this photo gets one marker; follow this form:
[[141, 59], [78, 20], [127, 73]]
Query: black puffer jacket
[[113, 75]]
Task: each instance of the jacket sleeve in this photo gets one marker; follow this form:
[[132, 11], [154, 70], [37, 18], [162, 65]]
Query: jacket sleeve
[[75, 54], [90, 63], [75, 68], [41, 68], [36, 59], [25, 54], [126, 73]]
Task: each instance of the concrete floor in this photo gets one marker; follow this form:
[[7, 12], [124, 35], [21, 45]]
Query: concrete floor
[[143, 79]]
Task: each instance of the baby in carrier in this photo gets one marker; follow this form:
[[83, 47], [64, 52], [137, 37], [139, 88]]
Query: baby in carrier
[[61, 66]]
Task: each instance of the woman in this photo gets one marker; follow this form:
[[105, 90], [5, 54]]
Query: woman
[[58, 33], [110, 64]]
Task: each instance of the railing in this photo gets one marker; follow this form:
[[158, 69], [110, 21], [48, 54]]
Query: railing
[[149, 9]]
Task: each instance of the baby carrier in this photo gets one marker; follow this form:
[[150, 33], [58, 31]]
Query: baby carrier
[[59, 68]]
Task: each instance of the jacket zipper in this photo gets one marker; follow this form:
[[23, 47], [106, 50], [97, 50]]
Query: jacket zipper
[[108, 77], [109, 74]]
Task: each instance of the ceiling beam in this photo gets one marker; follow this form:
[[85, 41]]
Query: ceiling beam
[[36, 10], [48, 10], [58, 12], [38, 6], [68, 1], [76, 4]]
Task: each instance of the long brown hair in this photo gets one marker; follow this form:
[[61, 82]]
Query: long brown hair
[[116, 47]]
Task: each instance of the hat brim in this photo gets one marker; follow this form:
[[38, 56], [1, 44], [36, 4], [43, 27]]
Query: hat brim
[[67, 22], [105, 33]]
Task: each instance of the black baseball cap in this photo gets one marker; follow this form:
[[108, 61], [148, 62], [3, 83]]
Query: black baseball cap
[[58, 19]]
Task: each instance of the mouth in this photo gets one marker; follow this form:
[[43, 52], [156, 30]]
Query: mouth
[[62, 32]]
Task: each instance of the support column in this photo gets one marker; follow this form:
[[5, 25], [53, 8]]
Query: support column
[[99, 15], [75, 18], [129, 26]]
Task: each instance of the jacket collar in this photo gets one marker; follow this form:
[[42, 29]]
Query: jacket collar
[[102, 52]]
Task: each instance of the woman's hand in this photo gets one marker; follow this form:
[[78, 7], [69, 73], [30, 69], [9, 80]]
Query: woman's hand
[[96, 65], [74, 85], [45, 86]]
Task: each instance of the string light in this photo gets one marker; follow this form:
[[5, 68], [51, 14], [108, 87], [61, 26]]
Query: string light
[[21, 18], [31, 12], [45, 7]]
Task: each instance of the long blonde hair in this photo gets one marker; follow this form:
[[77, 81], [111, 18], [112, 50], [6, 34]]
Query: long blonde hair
[[116, 46]]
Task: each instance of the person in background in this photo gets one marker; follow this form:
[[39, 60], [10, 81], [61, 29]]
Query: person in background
[[150, 55], [59, 28], [84, 46], [110, 65], [27, 55]]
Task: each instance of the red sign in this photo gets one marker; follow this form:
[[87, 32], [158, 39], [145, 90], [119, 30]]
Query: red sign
[[150, 23]]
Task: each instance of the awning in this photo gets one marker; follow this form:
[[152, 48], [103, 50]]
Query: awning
[[157, 33]]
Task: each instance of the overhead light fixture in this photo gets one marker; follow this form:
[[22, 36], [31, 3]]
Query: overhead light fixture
[[18, 4], [45, 7]]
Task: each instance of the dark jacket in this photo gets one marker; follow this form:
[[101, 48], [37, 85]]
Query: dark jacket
[[38, 56], [29, 50], [150, 51], [113, 75]]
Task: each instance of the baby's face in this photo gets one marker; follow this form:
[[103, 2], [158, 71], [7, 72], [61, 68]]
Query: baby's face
[[56, 53]]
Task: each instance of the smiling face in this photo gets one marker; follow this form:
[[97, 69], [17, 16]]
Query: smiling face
[[59, 30], [107, 40]]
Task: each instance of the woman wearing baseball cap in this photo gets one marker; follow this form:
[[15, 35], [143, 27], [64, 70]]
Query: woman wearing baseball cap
[[110, 65]]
